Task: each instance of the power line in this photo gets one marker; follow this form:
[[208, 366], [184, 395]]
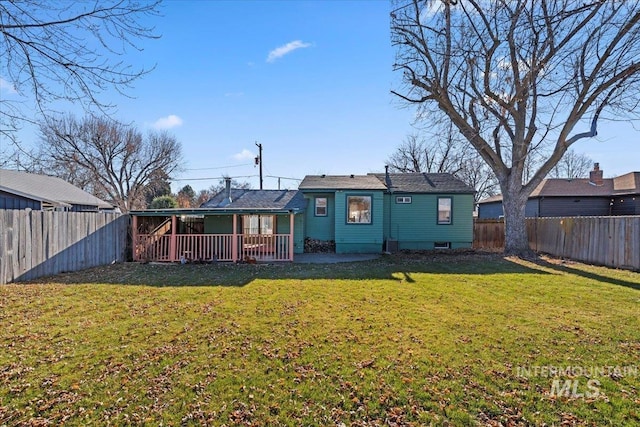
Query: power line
[[219, 167], [283, 177], [215, 177]]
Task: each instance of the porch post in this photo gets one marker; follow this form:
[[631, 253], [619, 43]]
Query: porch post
[[134, 237], [234, 239], [173, 243], [291, 226]]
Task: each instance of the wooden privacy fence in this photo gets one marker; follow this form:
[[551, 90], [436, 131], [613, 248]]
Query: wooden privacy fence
[[613, 241], [36, 243]]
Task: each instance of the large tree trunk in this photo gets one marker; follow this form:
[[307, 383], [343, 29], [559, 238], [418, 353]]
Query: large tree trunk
[[515, 228]]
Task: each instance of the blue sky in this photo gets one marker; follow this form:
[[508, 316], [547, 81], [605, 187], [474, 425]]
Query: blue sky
[[310, 81]]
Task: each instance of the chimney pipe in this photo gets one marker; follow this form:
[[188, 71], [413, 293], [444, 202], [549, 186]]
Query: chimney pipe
[[387, 178], [227, 192]]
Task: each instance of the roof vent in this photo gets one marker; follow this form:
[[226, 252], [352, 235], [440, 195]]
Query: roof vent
[[351, 176], [323, 176]]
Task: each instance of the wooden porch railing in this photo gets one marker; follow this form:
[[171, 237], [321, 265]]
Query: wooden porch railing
[[210, 247]]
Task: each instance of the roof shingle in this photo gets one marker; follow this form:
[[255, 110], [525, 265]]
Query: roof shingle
[[244, 199], [341, 182]]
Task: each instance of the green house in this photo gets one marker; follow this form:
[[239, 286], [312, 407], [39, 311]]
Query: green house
[[375, 212], [359, 214]]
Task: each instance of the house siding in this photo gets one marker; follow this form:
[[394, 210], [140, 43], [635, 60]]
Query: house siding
[[626, 205], [222, 224], [415, 225], [574, 206], [10, 201], [321, 227], [359, 238], [493, 210], [299, 233]]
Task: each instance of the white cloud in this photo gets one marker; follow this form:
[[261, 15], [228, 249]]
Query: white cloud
[[281, 51], [6, 86], [168, 122], [244, 155]]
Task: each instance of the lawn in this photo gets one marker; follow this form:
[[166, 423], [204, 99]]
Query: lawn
[[403, 340]]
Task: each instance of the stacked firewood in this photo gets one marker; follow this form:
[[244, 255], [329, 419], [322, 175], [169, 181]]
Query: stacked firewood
[[314, 246]]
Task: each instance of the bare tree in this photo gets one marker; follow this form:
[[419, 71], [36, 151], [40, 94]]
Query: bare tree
[[572, 165], [444, 155], [66, 51], [109, 159], [519, 79]]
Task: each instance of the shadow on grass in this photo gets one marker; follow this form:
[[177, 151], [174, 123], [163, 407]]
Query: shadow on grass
[[565, 268], [397, 267]]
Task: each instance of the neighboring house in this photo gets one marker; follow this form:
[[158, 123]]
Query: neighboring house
[[417, 211], [361, 214], [22, 190], [595, 196]]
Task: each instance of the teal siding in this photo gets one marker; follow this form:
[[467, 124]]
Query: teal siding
[[282, 224], [298, 234], [359, 238], [415, 225], [222, 224], [320, 227]]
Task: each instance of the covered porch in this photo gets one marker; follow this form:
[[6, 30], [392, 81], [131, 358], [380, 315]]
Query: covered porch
[[205, 235]]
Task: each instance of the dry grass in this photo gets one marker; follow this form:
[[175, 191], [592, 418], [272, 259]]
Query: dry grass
[[408, 339]]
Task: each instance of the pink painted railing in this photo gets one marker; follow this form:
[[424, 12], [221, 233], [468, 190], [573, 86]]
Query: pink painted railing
[[265, 247], [209, 247]]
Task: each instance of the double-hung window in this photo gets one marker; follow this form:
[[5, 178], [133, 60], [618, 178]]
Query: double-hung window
[[321, 206], [257, 224], [445, 205]]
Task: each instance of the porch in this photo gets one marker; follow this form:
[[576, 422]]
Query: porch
[[172, 238]]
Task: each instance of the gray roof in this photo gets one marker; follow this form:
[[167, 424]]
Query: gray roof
[[400, 182], [245, 199], [425, 183], [341, 182], [48, 189]]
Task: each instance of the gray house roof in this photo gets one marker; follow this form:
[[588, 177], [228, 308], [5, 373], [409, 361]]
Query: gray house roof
[[48, 189], [400, 182], [341, 182], [270, 200], [425, 183]]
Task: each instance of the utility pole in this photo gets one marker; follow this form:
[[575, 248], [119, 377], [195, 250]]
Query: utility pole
[[259, 161]]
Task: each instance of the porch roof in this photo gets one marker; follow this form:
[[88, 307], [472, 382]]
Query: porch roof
[[242, 202], [212, 212]]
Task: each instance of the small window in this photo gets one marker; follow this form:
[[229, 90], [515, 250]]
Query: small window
[[321, 206], [444, 210], [442, 245], [403, 199], [359, 209]]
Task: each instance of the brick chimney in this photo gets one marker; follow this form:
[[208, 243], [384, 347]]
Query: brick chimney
[[595, 176]]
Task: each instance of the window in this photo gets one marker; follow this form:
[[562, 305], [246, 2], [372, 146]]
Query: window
[[321, 206], [257, 224], [359, 209], [403, 199], [442, 245], [444, 210]]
